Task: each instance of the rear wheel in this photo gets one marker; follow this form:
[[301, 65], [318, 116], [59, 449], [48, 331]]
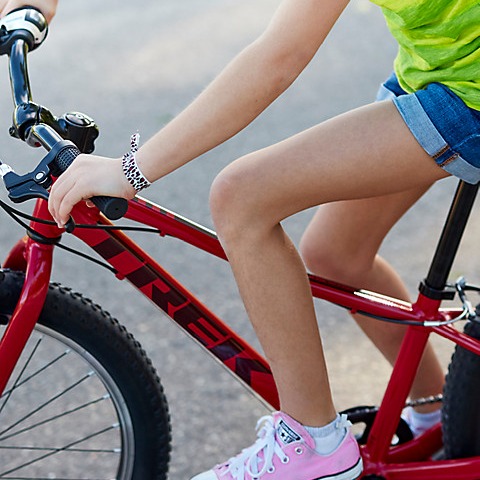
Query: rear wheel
[[84, 401], [461, 412]]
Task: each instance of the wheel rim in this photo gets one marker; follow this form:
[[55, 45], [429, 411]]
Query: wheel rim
[[62, 416]]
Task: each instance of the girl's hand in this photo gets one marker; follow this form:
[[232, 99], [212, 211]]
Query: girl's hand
[[88, 176], [47, 7]]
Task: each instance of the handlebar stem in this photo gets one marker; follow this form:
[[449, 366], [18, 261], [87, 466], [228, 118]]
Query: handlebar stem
[[26, 112], [75, 126], [19, 81]]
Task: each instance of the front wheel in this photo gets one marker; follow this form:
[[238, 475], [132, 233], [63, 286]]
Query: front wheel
[[84, 401]]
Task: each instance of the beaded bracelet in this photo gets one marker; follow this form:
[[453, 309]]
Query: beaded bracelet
[[131, 169]]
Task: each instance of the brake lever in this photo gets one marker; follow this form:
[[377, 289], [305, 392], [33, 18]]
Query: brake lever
[[31, 185]]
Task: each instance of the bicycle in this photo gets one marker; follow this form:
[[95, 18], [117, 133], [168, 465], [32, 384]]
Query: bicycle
[[78, 392]]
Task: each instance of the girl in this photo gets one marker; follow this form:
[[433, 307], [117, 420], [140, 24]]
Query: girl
[[364, 168]]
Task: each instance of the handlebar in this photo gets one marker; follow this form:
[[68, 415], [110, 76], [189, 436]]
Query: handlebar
[[64, 138]]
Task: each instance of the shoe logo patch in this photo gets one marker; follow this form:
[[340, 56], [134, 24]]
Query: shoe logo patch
[[286, 434]]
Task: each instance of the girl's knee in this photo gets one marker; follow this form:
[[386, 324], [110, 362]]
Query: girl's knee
[[232, 201], [222, 193], [241, 205], [328, 259], [311, 254], [317, 256]]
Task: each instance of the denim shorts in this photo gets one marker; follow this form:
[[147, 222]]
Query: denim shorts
[[446, 128]]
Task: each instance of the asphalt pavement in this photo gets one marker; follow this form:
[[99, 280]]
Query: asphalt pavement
[[132, 66]]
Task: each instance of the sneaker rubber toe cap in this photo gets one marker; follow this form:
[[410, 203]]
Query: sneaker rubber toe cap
[[206, 476]]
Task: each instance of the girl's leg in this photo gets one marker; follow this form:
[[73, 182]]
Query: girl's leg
[[365, 153], [341, 244]]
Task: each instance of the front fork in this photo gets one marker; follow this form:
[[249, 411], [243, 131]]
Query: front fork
[[37, 277], [35, 259]]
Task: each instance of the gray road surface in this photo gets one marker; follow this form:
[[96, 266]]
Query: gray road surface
[[133, 66]]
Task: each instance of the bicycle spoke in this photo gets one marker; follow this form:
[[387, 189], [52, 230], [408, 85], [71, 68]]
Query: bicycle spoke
[[17, 380], [36, 373], [54, 451], [55, 417], [48, 402]]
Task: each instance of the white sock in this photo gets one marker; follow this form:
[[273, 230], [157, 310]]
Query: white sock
[[329, 437], [420, 422]]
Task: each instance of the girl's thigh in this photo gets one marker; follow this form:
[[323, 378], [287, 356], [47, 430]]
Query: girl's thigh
[[368, 152]]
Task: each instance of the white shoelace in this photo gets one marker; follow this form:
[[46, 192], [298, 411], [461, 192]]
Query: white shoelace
[[249, 460]]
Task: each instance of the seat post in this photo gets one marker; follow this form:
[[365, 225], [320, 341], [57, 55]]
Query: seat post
[[434, 284]]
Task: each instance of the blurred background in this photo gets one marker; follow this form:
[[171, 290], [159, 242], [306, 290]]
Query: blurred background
[[132, 66]]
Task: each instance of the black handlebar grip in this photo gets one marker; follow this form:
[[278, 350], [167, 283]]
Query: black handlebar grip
[[112, 207], [64, 154]]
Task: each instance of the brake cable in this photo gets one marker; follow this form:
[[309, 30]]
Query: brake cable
[[16, 215]]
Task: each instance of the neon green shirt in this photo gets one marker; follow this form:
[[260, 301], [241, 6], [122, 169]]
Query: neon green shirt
[[439, 41]]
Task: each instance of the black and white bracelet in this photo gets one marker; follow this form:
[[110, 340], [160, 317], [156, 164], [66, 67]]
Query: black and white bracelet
[[131, 169]]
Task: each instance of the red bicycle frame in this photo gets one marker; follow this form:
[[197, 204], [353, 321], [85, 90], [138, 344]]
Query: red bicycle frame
[[411, 460]]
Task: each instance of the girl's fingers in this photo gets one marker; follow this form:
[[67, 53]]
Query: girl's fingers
[[64, 192], [59, 204]]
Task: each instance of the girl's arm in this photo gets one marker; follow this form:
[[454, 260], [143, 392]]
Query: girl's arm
[[247, 86], [244, 89]]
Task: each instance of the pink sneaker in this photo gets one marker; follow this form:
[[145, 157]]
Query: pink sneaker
[[285, 451]]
